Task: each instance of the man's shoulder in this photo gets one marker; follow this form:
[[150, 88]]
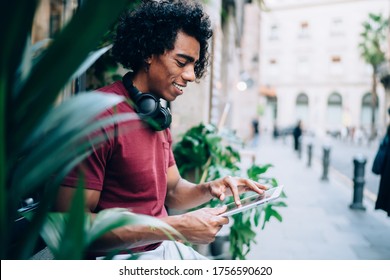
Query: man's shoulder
[[116, 87], [119, 89]]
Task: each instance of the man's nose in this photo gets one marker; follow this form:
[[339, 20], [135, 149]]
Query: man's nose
[[189, 73]]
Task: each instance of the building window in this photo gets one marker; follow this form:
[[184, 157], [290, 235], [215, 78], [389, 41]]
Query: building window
[[335, 99], [336, 67], [303, 32], [273, 67], [303, 67], [274, 32], [302, 99], [334, 112], [337, 27], [302, 107]]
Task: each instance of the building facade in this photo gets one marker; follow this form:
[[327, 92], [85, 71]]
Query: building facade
[[228, 96], [311, 68]]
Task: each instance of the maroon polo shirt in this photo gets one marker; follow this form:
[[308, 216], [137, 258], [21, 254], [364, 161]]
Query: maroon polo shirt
[[129, 170]]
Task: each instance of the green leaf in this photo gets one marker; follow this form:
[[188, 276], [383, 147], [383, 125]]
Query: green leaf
[[255, 171], [3, 163], [75, 131], [91, 59], [36, 153], [75, 229], [53, 231], [110, 219], [76, 112], [16, 21], [257, 216], [279, 204], [41, 87], [30, 236], [15, 25], [269, 213], [373, 37]]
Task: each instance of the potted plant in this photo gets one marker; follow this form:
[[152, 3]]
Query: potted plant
[[204, 153], [41, 140]]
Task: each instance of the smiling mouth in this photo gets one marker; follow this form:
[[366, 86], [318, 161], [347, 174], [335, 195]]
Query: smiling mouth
[[179, 87]]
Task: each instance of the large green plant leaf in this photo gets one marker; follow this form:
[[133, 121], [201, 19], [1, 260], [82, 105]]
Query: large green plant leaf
[[28, 90], [91, 59], [74, 234], [15, 25], [74, 226], [110, 219], [62, 135], [74, 113], [64, 56], [15, 21], [30, 177], [25, 246]]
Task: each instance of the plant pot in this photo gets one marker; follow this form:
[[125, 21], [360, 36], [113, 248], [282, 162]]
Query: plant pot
[[202, 249], [217, 246]]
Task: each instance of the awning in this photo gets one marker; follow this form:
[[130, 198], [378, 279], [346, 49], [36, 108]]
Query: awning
[[267, 91]]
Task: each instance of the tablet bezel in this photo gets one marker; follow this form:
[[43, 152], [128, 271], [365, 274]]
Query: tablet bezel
[[255, 201]]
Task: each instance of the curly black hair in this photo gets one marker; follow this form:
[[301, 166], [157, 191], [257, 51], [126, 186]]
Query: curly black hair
[[152, 28]]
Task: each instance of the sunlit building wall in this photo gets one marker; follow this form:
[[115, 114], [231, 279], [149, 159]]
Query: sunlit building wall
[[213, 99], [310, 59], [245, 91]]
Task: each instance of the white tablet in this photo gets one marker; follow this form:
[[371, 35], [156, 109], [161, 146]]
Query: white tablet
[[253, 201]]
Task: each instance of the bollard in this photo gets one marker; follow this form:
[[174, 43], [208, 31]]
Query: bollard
[[325, 163], [359, 163], [217, 246], [309, 154]]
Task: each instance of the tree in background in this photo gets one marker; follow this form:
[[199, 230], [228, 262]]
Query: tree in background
[[372, 50]]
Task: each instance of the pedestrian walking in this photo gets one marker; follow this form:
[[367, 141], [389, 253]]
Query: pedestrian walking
[[255, 132], [297, 133], [381, 166]]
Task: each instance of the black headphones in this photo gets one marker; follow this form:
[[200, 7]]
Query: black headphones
[[148, 106]]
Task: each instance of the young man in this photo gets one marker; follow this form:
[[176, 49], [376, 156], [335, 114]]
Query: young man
[[164, 45]]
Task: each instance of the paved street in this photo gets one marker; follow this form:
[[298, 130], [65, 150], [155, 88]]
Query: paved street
[[318, 223], [342, 155]]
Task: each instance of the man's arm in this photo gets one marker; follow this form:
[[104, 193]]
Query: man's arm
[[199, 226], [185, 195], [121, 238]]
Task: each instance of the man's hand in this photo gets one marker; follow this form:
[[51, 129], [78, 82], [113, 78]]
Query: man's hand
[[229, 185], [201, 226]]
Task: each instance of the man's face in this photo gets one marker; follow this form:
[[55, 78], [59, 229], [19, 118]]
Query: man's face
[[170, 72]]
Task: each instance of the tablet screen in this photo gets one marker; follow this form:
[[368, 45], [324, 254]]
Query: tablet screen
[[253, 201]]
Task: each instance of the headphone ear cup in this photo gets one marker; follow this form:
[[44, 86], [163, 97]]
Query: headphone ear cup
[[147, 105], [164, 118], [161, 121]]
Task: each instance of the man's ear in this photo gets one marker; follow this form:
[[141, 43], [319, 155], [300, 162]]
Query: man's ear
[[147, 63], [149, 60]]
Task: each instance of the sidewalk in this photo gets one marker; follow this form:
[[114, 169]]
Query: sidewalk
[[318, 223]]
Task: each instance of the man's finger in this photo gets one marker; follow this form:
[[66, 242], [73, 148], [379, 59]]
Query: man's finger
[[234, 189]]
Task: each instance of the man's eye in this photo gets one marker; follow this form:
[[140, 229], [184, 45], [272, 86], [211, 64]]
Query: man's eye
[[181, 64]]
